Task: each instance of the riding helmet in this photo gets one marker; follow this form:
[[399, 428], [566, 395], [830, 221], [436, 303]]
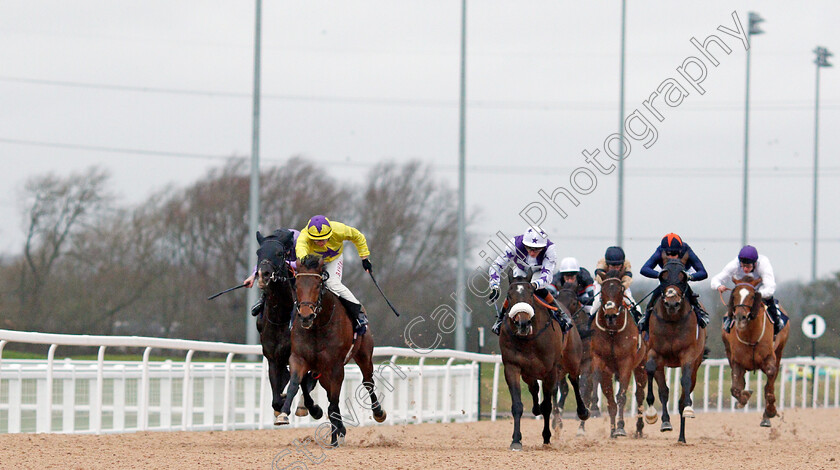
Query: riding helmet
[[319, 228], [534, 239], [672, 241], [614, 255], [748, 255], [569, 265]]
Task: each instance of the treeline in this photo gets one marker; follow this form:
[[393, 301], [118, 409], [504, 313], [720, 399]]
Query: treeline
[[90, 266]]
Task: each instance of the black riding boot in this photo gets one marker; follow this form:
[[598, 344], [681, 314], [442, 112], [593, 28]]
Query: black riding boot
[[358, 316], [566, 323], [702, 315], [770, 302], [644, 321], [727, 322], [500, 317], [258, 305]]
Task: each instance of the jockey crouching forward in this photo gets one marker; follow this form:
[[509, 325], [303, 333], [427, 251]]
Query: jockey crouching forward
[[326, 239], [750, 263], [571, 272], [614, 260], [672, 247], [532, 250]]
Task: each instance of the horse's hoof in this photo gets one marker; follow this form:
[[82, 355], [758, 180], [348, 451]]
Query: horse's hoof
[[650, 415], [337, 441], [580, 432], [556, 423], [688, 412], [316, 412], [765, 423], [583, 414], [638, 435], [666, 426], [301, 411], [618, 432], [276, 413], [516, 446], [281, 419], [595, 413], [380, 418]]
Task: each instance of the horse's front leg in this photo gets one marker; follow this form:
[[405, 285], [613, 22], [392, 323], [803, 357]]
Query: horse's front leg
[[650, 369], [307, 386], [641, 380], [738, 384], [625, 371], [278, 377], [686, 410], [582, 411], [298, 369], [333, 381], [512, 377], [612, 408], [772, 371]]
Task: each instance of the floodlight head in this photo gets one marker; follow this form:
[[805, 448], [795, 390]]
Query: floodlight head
[[822, 57], [754, 20]]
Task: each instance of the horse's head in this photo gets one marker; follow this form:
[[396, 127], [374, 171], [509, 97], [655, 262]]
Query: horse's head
[[745, 302], [271, 259], [612, 298], [309, 287], [674, 282], [567, 295], [520, 296]]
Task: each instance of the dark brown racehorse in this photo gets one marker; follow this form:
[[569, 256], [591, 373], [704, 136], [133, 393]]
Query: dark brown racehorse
[[750, 344], [618, 350], [275, 279], [532, 346], [676, 340], [567, 296], [323, 341]]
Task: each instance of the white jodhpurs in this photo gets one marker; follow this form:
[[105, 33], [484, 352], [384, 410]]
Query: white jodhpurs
[[596, 304], [334, 268]]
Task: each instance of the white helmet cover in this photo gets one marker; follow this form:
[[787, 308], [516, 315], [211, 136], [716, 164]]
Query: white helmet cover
[[569, 265], [534, 239]]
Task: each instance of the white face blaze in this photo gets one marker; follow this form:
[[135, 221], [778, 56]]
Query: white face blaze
[[742, 295]]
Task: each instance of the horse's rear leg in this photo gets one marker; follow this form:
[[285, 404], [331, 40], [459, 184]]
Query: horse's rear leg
[[582, 411], [309, 405], [512, 378], [364, 359], [545, 408], [561, 390], [664, 395], [534, 388], [650, 414]]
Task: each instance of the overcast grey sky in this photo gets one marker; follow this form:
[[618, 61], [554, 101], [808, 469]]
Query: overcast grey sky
[[351, 83]]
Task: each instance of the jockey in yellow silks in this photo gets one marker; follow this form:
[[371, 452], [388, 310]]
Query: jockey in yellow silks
[[326, 238]]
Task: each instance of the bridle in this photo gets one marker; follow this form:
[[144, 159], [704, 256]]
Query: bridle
[[316, 306], [751, 316], [622, 309]]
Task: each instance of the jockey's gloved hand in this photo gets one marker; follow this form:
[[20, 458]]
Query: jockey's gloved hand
[[535, 285], [688, 276], [494, 295], [366, 265]]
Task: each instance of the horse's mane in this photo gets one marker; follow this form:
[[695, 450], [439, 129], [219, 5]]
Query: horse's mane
[[311, 261]]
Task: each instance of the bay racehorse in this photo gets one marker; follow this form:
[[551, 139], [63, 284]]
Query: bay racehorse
[[676, 340], [532, 346], [567, 296], [750, 344], [618, 350], [275, 278], [323, 341]]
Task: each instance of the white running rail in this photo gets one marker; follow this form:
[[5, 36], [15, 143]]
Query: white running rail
[[74, 396]]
